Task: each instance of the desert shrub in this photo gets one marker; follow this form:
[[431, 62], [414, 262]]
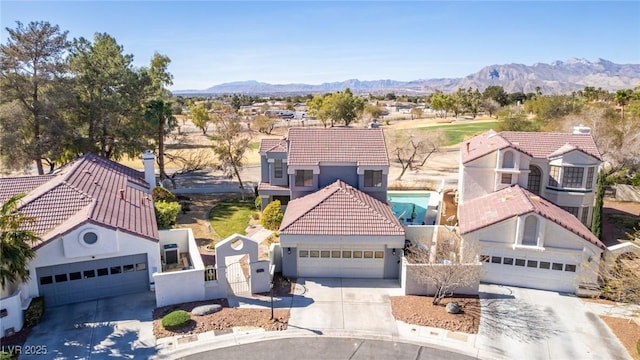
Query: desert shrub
[[272, 216], [176, 319], [166, 213], [34, 312], [161, 194]]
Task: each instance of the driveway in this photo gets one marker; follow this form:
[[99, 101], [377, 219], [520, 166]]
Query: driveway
[[99, 329], [345, 305], [522, 323]]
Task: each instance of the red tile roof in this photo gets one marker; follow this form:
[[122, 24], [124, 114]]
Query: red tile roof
[[273, 145], [309, 146], [339, 209], [516, 201], [267, 186], [535, 144], [11, 186], [88, 190]]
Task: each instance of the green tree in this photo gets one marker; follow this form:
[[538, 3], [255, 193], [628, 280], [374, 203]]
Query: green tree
[[230, 142], [32, 70], [272, 216], [15, 242], [547, 108], [497, 93], [622, 98], [160, 77], [596, 221], [338, 107], [441, 103], [515, 120], [374, 110], [200, 116], [158, 114], [166, 213], [111, 96]]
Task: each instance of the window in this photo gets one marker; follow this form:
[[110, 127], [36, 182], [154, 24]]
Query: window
[[90, 238], [89, 274], [520, 262], [141, 266], [357, 254], [589, 184], [507, 261], [75, 276], [103, 272], [554, 176], [368, 254], [530, 236], [572, 177], [303, 253], [325, 253], [532, 264], [570, 268], [584, 218], [484, 258], [277, 169], [128, 268], [556, 266], [496, 259], [573, 210], [4, 313], [346, 254], [506, 178], [314, 253], [533, 184], [304, 177], [373, 178], [46, 280], [335, 254], [379, 254], [116, 270], [545, 265], [61, 278], [508, 161]]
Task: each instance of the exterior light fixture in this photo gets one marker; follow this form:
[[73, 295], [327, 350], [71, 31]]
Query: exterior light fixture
[[394, 251], [289, 250]]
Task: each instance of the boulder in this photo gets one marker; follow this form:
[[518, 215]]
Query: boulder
[[206, 309], [453, 307]]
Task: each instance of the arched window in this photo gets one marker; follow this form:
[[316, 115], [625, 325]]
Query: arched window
[[508, 160], [535, 176], [530, 236]]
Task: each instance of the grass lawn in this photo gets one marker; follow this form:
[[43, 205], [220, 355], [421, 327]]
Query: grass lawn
[[231, 216], [455, 133]]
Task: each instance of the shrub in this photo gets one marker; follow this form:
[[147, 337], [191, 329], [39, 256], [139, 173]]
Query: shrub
[[166, 213], [34, 312], [638, 346], [272, 216], [161, 194], [5, 355], [258, 202], [176, 319]]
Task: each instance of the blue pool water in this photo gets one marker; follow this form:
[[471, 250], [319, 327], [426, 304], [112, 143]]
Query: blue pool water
[[409, 206]]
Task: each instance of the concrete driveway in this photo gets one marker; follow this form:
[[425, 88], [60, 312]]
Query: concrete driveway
[[345, 305], [522, 323], [99, 329]]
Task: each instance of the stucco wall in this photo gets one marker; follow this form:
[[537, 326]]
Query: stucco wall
[[329, 175], [14, 319], [414, 284], [179, 286]]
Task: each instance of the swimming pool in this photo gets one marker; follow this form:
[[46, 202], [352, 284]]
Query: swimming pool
[[412, 207]]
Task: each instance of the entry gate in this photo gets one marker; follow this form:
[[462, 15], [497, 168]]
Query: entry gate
[[237, 278]]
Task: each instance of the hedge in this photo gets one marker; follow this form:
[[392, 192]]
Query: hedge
[[272, 216], [176, 319], [166, 213]]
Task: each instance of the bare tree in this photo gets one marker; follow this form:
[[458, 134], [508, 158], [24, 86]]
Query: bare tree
[[187, 162], [230, 143], [409, 148], [452, 266], [620, 279], [265, 124]]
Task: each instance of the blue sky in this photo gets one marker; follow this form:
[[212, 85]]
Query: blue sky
[[212, 42]]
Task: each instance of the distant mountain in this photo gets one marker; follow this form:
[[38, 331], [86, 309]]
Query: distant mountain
[[556, 78]]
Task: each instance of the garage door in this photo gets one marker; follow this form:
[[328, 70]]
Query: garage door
[[341, 262], [532, 273], [90, 280]]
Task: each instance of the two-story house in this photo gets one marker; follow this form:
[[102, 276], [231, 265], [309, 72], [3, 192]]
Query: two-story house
[[528, 198], [334, 184]]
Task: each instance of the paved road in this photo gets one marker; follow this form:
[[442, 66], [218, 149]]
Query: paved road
[[323, 348]]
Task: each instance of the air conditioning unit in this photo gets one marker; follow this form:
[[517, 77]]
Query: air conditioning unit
[[171, 254]]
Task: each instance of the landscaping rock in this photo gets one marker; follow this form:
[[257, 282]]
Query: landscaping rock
[[453, 307], [206, 309]]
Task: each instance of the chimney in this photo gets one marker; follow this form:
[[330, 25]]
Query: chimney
[[149, 160]]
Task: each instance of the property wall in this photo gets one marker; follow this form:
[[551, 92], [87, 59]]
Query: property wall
[[289, 261], [260, 276], [14, 319], [128, 244], [422, 234], [275, 256], [391, 260], [413, 283], [179, 286]]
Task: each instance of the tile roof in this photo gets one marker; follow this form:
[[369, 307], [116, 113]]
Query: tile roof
[[11, 186], [89, 189], [516, 201], [311, 146], [535, 144], [267, 186], [273, 145], [339, 209]]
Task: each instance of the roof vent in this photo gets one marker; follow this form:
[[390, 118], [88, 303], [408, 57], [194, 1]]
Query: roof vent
[[121, 194]]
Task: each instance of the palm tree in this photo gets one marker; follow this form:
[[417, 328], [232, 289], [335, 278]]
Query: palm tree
[[622, 98], [15, 243]]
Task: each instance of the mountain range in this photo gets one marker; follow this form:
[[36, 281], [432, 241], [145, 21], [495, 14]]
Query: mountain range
[[558, 77]]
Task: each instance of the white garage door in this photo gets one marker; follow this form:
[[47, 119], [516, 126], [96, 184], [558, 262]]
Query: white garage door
[[341, 262], [530, 273]]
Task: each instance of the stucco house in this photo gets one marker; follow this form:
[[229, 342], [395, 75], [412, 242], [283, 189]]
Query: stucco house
[[333, 183], [98, 233], [528, 199]]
